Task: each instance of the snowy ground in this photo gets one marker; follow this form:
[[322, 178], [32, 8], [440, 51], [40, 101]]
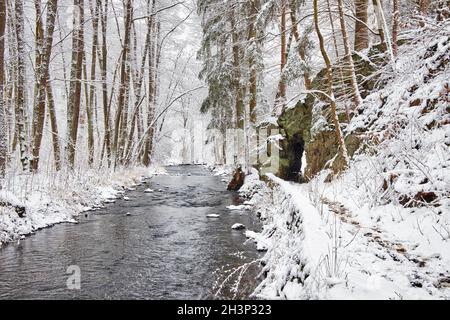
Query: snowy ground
[[61, 197], [381, 230], [331, 250]]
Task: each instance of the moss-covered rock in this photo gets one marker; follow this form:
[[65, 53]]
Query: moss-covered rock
[[295, 125], [308, 126]]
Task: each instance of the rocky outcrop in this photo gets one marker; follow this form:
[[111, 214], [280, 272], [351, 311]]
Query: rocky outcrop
[[308, 128], [295, 125]]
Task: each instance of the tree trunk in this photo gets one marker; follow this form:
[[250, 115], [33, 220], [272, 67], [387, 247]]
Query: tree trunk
[[239, 104], [329, 74], [11, 95], [301, 47], [76, 73], [281, 99], [282, 89], [20, 94], [44, 52], [3, 140], [253, 11], [423, 11], [340, 66], [395, 13], [423, 7], [361, 30], [348, 57], [123, 81], [151, 91], [90, 101], [54, 126], [138, 91], [379, 17], [104, 79]]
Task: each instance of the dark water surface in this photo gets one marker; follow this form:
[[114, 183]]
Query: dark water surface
[[166, 249]]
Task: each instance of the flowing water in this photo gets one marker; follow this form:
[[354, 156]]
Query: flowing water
[[167, 248]]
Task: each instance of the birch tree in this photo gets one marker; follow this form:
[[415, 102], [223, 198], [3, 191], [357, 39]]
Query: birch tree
[[3, 118], [20, 87]]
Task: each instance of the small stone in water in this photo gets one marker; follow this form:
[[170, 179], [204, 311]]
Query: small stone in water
[[128, 214], [148, 190], [237, 226], [213, 215], [126, 198]]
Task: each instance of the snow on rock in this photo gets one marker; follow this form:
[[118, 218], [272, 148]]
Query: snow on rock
[[237, 226], [262, 243], [239, 207], [222, 170], [9, 198], [61, 197]]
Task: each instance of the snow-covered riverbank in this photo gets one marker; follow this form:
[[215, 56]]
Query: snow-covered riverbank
[[61, 197], [381, 228], [329, 250]]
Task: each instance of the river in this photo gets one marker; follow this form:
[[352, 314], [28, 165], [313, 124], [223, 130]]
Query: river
[[167, 248]]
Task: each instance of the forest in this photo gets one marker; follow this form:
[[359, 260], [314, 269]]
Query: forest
[[312, 136]]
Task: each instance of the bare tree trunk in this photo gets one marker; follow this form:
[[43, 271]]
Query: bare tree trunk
[[11, 96], [423, 10], [73, 110], [138, 90], [123, 81], [384, 27], [151, 90], [20, 95], [239, 105], [91, 102], [361, 30], [3, 136], [378, 14], [281, 98], [301, 46], [395, 13], [339, 66], [103, 71], [423, 7], [44, 52], [348, 57], [329, 74], [239, 88], [253, 11], [54, 126]]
